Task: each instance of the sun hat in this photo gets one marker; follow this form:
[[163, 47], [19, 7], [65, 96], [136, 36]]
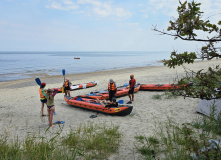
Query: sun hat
[[111, 81], [43, 84]]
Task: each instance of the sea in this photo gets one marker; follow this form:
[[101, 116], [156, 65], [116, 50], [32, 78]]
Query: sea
[[21, 65]]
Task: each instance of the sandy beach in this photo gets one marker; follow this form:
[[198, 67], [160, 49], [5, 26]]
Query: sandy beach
[[20, 105]]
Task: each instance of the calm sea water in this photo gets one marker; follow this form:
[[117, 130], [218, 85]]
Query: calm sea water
[[20, 65]]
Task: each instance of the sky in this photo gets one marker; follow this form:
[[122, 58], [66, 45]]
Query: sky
[[93, 25]]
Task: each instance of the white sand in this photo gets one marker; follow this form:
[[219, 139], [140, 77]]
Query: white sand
[[20, 104]]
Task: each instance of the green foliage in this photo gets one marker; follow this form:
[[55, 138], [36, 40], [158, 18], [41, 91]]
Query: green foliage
[[203, 84], [179, 59], [174, 142], [157, 96], [186, 27], [94, 141], [31, 148], [90, 141], [209, 51], [166, 95], [209, 124], [148, 147], [189, 21]]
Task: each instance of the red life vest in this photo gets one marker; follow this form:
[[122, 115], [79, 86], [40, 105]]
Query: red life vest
[[111, 87]]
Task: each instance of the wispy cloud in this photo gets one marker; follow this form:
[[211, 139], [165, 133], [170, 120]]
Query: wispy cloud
[[99, 8], [62, 5], [169, 7]]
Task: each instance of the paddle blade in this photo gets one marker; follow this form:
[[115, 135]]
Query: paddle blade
[[126, 84], [63, 89], [38, 81], [120, 101], [63, 72]]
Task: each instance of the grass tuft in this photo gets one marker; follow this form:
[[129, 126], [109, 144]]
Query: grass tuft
[[174, 142], [99, 141], [165, 95], [91, 141]]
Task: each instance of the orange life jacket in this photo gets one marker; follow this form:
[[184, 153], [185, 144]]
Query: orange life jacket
[[66, 83], [111, 87], [41, 94]]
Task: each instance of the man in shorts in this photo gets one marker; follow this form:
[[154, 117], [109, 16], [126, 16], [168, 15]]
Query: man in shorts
[[132, 83]]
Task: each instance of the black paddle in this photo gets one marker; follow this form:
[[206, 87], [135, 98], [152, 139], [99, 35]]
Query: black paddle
[[63, 72], [38, 81]]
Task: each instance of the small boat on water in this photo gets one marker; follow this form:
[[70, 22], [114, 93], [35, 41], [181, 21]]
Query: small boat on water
[[76, 57], [161, 87], [121, 91], [80, 86], [94, 105]]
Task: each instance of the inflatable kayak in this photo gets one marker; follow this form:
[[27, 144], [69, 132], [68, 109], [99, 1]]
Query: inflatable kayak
[[94, 105], [79, 86], [160, 87], [121, 91]]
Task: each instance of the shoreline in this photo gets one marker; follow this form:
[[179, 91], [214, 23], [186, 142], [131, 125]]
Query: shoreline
[[43, 75], [79, 76], [20, 104], [57, 78], [28, 64]]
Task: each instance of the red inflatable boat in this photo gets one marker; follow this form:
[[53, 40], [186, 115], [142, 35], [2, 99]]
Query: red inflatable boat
[[94, 105]]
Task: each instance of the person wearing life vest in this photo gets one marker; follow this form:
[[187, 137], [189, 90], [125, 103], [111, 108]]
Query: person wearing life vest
[[43, 98], [112, 88], [67, 87], [132, 83]]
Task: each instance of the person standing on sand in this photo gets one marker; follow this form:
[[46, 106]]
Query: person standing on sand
[[132, 83], [43, 96], [112, 88], [50, 105], [67, 87]]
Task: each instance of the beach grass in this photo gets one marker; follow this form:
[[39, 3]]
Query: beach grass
[[210, 124], [89, 141], [165, 95], [172, 141], [94, 141]]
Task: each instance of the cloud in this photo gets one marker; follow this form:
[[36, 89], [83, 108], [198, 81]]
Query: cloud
[[63, 5], [211, 10], [99, 8], [169, 7]]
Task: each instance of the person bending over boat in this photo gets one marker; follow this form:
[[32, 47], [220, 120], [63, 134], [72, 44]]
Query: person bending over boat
[[43, 98], [112, 88], [108, 104], [50, 104], [67, 87], [132, 83]]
